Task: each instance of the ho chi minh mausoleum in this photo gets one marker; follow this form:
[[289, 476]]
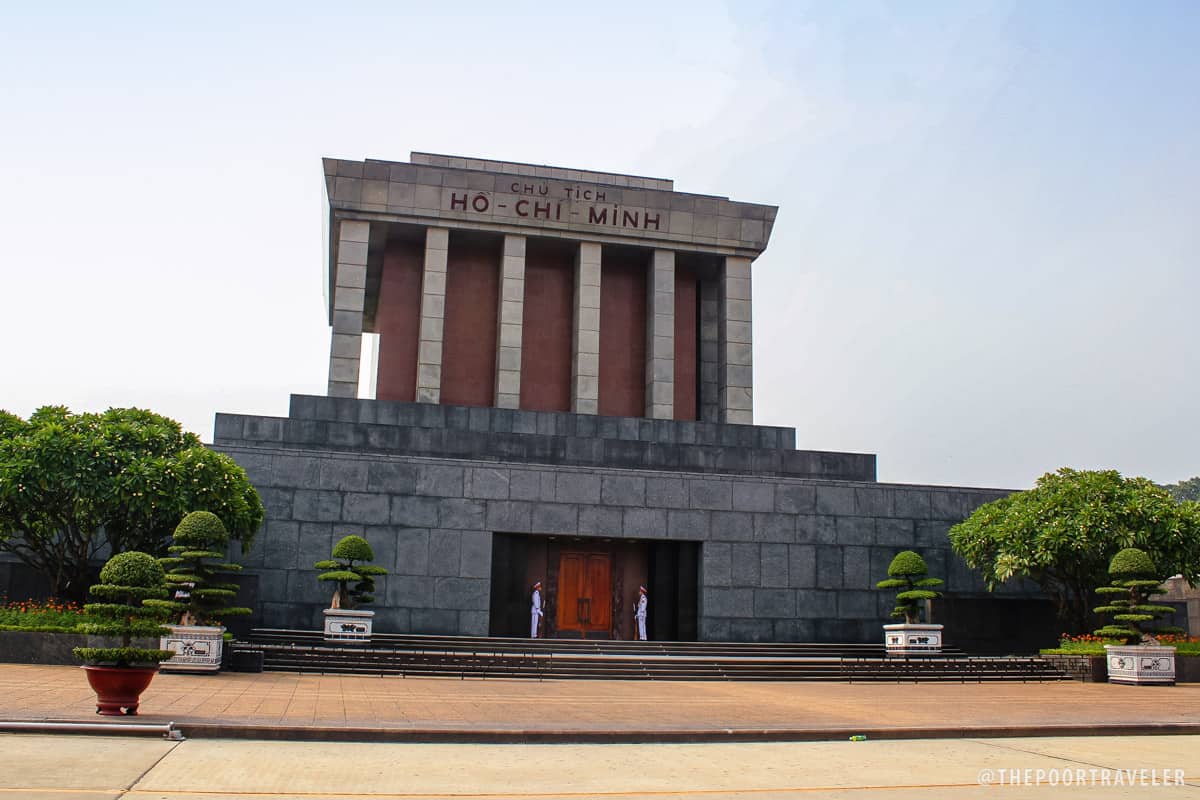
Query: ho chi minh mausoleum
[[563, 391]]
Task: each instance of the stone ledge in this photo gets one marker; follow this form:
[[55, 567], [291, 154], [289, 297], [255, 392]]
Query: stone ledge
[[551, 423], [541, 448], [39, 647]]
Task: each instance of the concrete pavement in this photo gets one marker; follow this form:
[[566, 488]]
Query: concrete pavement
[[100, 768], [716, 741]]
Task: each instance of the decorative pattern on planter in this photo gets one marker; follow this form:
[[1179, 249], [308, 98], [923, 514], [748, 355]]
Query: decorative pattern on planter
[[197, 648], [903, 637], [1140, 664], [347, 625]]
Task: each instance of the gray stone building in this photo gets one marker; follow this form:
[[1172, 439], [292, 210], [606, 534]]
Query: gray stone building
[[562, 378]]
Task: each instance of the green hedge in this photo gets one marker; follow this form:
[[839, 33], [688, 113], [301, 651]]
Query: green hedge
[[1097, 649], [40, 628]]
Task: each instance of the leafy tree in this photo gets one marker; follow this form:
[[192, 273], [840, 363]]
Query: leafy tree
[[75, 485], [1063, 532], [10, 424], [909, 573], [1132, 579], [1186, 490], [199, 597], [344, 572]]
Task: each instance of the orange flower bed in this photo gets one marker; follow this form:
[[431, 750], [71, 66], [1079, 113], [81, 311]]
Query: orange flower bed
[[49, 614]]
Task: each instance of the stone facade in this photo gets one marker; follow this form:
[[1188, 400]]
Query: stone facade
[[783, 557], [460, 205]]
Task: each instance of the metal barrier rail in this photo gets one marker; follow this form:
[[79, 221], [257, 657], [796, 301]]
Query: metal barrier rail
[[502, 644], [168, 731]]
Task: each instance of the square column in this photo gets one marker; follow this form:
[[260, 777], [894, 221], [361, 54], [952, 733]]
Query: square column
[[709, 362], [433, 313], [349, 290], [585, 353], [660, 336], [736, 351], [510, 321]]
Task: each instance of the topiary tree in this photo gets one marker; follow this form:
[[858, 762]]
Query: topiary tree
[[344, 571], [909, 573], [199, 597], [1132, 579], [126, 580]]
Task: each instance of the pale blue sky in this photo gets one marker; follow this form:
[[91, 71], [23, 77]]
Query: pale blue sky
[[984, 265]]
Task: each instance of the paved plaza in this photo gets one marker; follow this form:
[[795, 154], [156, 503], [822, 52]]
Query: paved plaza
[[287, 705]]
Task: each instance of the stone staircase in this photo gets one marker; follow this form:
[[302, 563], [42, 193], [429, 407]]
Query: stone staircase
[[562, 659]]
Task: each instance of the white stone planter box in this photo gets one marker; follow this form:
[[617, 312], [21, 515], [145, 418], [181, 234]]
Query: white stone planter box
[[1140, 663], [903, 638], [344, 625], [197, 648]]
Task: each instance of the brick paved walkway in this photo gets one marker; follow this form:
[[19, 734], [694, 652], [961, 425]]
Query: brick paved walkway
[[312, 706]]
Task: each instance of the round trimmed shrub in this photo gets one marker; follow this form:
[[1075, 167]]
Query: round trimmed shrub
[[132, 569], [353, 548], [201, 529], [1131, 563], [907, 563]]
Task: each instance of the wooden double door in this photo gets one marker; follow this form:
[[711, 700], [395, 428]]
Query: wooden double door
[[585, 593]]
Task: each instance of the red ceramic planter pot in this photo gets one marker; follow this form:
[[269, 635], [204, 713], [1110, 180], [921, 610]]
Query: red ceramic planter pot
[[118, 688]]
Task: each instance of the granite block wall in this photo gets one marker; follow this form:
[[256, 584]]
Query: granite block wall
[[782, 559]]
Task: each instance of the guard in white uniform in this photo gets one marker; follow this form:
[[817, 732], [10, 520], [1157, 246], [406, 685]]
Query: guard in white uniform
[[536, 611], [640, 615]]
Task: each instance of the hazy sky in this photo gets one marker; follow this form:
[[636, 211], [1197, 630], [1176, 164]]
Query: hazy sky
[[984, 265]]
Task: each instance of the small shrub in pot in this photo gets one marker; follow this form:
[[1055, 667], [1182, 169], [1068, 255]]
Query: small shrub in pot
[[355, 579]]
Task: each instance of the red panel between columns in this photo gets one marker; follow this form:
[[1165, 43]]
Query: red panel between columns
[[547, 326], [469, 335], [398, 320], [623, 333], [687, 335]]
